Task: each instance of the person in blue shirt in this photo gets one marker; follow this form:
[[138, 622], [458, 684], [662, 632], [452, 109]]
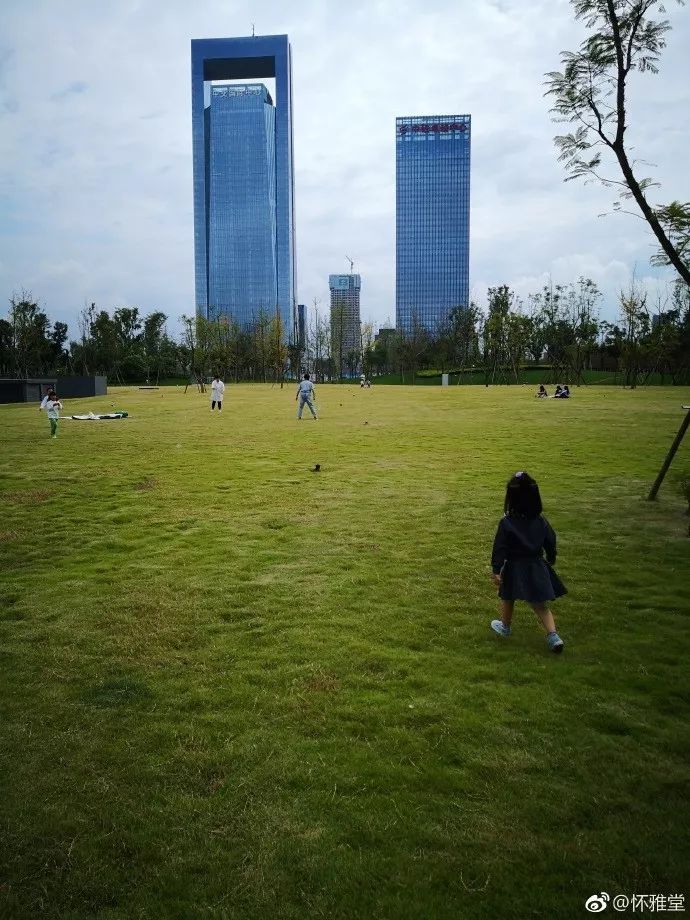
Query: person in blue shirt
[[524, 552]]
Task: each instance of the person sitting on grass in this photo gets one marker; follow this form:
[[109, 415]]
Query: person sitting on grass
[[305, 394], [541, 392], [519, 569], [557, 392]]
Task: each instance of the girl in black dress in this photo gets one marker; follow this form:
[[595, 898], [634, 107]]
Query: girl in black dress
[[520, 571]]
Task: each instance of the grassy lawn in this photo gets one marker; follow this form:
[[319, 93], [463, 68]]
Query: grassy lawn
[[234, 688]]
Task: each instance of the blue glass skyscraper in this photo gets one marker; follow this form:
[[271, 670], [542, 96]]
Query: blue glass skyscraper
[[244, 255], [240, 152], [432, 218]]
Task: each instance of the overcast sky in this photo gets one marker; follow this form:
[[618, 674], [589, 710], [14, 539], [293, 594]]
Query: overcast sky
[[95, 144]]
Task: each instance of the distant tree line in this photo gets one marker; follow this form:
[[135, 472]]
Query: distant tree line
[[129, 347], [557, 329]]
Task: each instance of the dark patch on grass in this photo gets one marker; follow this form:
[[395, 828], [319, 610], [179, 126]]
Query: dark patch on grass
[[8, 598], [518, 680], [187, 524], [322, 682], [237, 615], [115, 692], [13, 615], [275, 524], [7, 535], [612, 726], [146, 485], [33, 497]]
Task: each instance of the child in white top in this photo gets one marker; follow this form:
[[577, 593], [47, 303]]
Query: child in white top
[[53, 405]]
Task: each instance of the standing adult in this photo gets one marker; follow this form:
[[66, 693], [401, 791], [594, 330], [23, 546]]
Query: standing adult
[[305, 394], [217, 391]]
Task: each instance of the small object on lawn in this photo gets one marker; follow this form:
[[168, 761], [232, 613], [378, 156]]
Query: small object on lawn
[[93, 417], [317, 468], [366, 423]]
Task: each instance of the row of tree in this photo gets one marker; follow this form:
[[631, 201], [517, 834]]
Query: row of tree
[[558, 326]]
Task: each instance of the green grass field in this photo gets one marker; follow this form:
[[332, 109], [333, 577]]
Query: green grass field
[[234, 688]]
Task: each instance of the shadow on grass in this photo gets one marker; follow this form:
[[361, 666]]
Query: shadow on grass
[[115, 692]]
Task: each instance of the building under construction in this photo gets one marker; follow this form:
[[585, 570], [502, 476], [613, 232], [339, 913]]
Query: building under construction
[[345, 324]]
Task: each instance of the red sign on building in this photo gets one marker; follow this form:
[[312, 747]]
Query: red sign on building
[[433, 128]]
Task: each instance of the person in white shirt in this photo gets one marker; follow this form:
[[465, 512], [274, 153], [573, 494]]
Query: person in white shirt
[[53, 406], [305, 394], [217, 391]]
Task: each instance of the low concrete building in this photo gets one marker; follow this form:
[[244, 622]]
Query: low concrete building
[[33, 389], [76, 387]]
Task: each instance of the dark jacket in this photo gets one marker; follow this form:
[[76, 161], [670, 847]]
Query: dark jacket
[[523, 538]]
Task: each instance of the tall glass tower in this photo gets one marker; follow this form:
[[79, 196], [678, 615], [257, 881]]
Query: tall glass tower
[[345, 322], [240, 153], [432, 218], [244, 225]]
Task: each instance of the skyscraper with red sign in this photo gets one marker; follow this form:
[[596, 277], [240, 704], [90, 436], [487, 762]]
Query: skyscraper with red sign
[[432, 166]]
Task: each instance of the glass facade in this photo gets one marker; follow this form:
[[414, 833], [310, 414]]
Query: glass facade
[[301, 326], [244, 252], [432, 218], [345, 313], [240, 153]]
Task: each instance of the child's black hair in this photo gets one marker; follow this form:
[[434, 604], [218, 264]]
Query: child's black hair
[[522, 496], [306, 376]]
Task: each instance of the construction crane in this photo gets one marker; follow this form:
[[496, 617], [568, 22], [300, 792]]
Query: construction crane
[[352, 264]]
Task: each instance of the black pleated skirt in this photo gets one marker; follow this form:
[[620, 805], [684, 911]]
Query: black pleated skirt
[[532, 580]]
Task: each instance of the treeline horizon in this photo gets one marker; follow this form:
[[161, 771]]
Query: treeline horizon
[[558, 327]]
